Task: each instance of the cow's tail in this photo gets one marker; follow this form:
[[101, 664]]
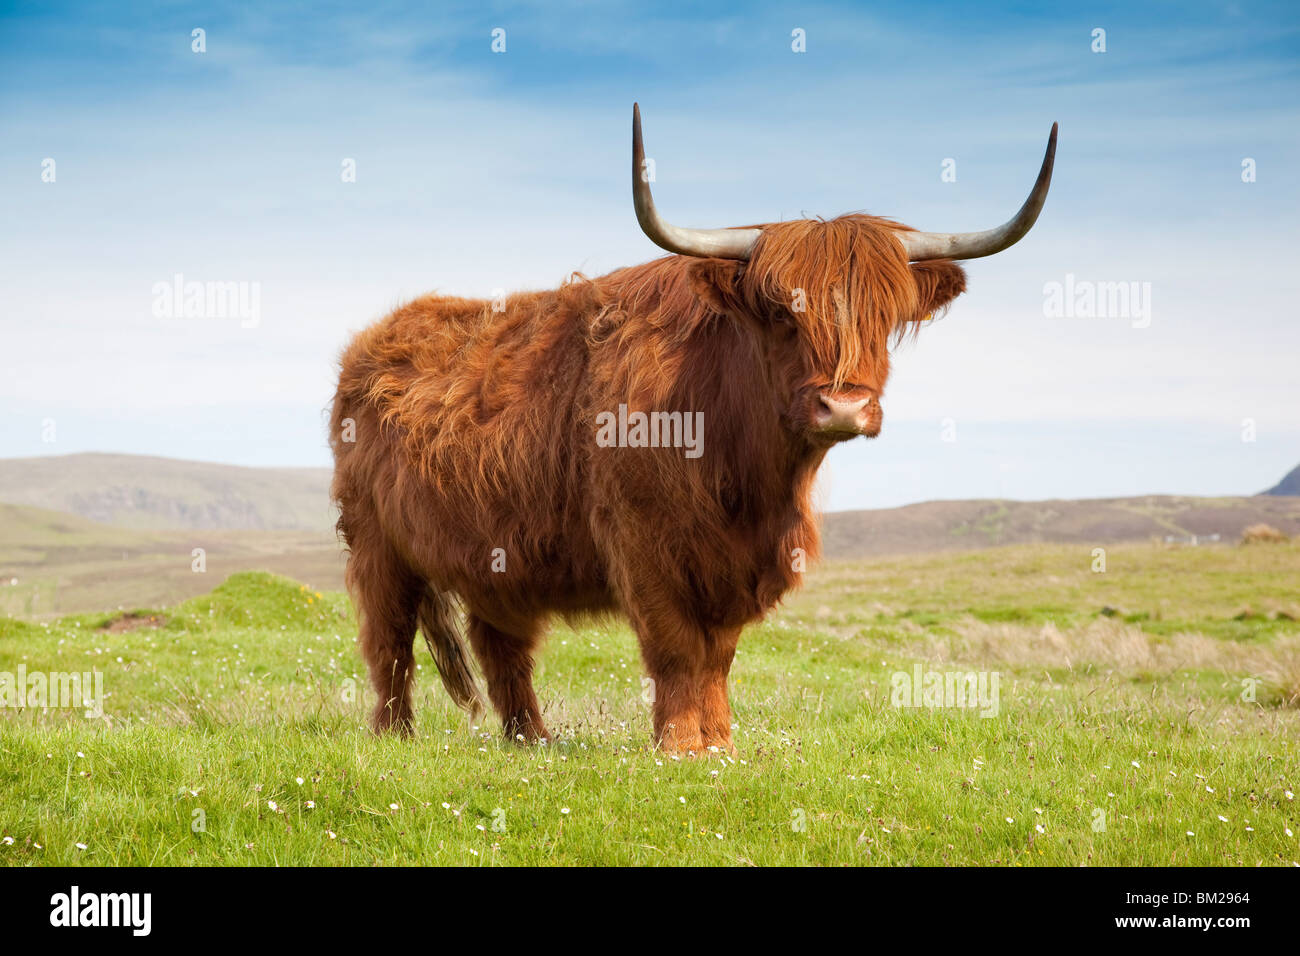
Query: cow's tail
[[441, 630]]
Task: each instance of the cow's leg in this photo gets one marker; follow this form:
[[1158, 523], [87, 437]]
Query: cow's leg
[[675, 658], [387, 596], [689, 669], [676, 699], [507, 663], [715, 711]]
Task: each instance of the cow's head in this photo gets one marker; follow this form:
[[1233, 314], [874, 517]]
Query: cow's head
[[830, 295]]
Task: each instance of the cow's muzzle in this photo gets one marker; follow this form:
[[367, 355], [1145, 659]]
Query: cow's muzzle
[[844, 415]]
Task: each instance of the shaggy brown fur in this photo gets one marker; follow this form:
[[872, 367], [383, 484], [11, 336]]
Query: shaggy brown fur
[[475, 469]]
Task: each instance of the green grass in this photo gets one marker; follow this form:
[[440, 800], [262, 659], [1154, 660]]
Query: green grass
[[1133, 720]]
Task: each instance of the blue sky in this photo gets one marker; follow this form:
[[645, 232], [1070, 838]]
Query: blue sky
[[478, 170]]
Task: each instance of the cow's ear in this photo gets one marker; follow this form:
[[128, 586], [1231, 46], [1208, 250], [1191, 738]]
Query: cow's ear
[[717, 283], [938, 282]]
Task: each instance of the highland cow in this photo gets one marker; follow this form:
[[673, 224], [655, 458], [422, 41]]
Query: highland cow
[[501, 459]]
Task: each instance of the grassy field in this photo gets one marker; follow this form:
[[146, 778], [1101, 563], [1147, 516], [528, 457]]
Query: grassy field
[[1124, 733]]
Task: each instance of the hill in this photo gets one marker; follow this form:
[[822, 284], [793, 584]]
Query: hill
[[966, 525], [65, 563], [52, 562], [1289, 485], [93, 532], [137, 491]]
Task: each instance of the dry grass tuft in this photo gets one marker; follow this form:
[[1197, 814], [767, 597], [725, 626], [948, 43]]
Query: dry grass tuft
[[1286, 675], [1114, 645], [1262, 534]]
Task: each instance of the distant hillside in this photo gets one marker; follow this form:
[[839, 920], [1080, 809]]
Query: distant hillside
[[1289, 485], [156, 494], [136, 491], [53, 562], [954, 525]]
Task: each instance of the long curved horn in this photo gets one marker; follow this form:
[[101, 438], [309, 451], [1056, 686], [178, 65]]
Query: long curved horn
[[708, 243], [973, 245]]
